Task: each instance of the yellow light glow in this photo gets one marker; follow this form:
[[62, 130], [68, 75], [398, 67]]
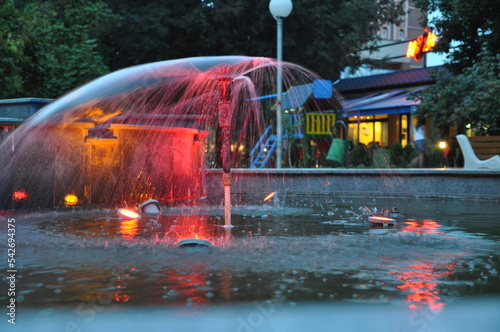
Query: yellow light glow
[[443, 145], [423, 44], [70, 200], [128, 214], [129, 228], [381, 218], [271, 195]]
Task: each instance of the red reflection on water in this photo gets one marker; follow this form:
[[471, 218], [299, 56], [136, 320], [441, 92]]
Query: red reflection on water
[[129, 228], [420, 283], [423, 226], [419, 278], [189, 287], [121, 298]]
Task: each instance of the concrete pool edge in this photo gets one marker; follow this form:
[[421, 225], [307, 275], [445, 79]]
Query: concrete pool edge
[[446, 183]]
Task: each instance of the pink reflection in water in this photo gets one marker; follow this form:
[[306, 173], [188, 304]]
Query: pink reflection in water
[[419, 278]]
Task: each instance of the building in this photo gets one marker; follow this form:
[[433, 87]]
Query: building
[[393, 44], [379, 108], [13, 112]]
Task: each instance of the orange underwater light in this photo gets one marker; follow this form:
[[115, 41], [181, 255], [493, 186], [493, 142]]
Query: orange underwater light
[[271, 195], [128, 214], [70, 200], [20, 195], [381, 220]]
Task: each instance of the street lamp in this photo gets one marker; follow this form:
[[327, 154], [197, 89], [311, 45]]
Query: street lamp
[[279, 9]]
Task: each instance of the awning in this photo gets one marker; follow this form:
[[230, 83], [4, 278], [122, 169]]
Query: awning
[[394, 102]]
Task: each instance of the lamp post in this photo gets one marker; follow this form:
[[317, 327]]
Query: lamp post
[[279, 9]]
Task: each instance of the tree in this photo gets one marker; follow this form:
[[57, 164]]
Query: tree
[[51, 47], [12, 51], [465, 29], [65, 46], [472, 97], [320, 35], [155, 30], [468, 30]]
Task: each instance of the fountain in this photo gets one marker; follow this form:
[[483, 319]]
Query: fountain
[[139, 140], [141, 133]]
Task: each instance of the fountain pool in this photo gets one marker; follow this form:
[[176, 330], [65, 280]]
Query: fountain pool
[[291, 263], [288, 264]]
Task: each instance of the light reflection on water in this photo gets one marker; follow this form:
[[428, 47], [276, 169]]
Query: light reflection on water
[[283, 253]]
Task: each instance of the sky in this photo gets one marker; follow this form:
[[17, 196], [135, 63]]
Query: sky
[[435, 59]]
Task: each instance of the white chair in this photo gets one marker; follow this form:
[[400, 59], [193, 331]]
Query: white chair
[[471, 161]]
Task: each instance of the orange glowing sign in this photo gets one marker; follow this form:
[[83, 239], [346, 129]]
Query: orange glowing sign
[[423, 44]]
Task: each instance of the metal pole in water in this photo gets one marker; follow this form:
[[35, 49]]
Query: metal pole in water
[[225, 116], [226, 181]]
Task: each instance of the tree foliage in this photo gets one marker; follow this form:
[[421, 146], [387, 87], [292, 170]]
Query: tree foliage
[[53, 46], [320, 35], [465, 29], [12, 50], [472, 97], [469, 31]]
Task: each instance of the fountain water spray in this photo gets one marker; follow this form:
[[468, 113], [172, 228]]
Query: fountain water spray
[[144, 131]]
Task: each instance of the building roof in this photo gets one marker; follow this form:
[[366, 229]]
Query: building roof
[[393, 102], [398, 79]]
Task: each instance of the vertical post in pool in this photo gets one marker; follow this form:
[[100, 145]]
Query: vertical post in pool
[[225, 116]]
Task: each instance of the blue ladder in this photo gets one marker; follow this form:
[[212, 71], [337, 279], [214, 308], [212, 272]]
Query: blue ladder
[[263, 150]]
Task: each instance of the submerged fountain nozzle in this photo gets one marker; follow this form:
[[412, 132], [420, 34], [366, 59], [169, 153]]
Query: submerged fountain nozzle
[[194, 243], [150, 207]]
